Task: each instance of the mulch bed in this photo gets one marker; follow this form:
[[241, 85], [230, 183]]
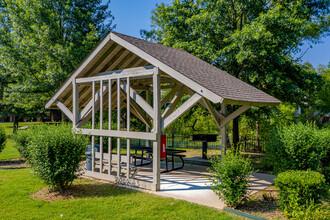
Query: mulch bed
[[264, 204]]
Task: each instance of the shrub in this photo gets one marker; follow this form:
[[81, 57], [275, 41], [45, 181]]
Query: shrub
[[55, 153], [230, 178], [298, 190], [2, 139], [298, 147], [22, 139]]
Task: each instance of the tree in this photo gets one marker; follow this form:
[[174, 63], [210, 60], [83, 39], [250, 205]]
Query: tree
[[252, 40], [41, 42]]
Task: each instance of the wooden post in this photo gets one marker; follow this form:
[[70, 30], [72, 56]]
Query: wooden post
[[118, 126], [75, 103], [109, 127], [101, 125], [148, 99], [93, 126], [156, 129], [223, 130], [128, 126]]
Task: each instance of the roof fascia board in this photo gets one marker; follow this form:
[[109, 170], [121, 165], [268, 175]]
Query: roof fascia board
[[236, 102], [68, 82], [170, 71]]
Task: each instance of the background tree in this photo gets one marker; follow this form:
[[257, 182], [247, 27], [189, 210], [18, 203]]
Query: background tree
[[253, 40], [41, 42]]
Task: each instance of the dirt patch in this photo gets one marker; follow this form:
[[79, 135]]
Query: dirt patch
[[82, 188], [264, 204]]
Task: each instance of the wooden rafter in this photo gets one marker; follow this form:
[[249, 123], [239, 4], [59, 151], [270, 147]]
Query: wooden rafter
[[170, 94], [175, 101], [139, 100], [181, 110]]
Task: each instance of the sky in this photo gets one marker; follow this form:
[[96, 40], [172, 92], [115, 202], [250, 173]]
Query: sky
[[133, 15]]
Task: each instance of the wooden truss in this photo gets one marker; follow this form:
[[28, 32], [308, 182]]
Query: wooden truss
[[114, 90]]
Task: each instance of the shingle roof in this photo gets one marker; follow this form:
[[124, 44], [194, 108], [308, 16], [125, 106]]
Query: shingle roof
[[201, 72], [118, 51]]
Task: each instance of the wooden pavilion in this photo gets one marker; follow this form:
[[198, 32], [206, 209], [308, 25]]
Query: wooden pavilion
[[113, 76]]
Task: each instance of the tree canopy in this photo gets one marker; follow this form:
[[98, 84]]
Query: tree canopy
[[41, 42], [257, 41]]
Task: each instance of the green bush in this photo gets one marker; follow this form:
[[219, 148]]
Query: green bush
[[298, 190], [55, 153], [2, 139], [22, 139], [298, 147], [230, 178]]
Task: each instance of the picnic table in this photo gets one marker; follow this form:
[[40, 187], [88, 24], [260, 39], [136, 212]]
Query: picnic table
[[143, 155], [172, 153]]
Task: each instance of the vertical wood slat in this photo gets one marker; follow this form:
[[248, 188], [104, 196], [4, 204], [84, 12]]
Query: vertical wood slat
[[156, 129], [110, 122], [93, 126], [101, 125], [128, 126], [118, 126]]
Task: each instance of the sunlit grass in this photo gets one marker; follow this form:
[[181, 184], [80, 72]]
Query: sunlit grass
[[102, 201]]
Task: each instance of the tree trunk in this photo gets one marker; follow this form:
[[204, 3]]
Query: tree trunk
[[235, 135], [15, 123]]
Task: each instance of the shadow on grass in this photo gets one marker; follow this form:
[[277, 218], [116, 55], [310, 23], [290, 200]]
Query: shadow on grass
[[81, 190], [12, 164]]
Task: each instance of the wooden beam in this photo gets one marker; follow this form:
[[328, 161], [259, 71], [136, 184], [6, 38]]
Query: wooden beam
[[65, 110], [212, 111], [139, 100], [75, 103], [109, 124], [132, 72], [118, 128], [156, 131], [170, 94], [90, 103], [175, 101], [233, 115], [119, 134], [128, 126], [181, 110], [139, 113]]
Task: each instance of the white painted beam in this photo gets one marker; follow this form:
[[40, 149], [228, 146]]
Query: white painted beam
[[233, 115], [119, 134], [170, 94], [132, 72], [65, 110], [139, 100], [181, 110], [212, 111], [175, 101]]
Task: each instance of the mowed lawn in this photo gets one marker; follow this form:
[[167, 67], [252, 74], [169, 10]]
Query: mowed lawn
[[89, 199], [95, 201]]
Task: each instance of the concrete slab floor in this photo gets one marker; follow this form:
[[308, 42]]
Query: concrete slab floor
[[192, 185]]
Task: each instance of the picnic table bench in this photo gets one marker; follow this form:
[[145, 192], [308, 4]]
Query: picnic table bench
[[174, 153]]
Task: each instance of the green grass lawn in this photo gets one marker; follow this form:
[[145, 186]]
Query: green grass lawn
[[95, 201], [9, 152]]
